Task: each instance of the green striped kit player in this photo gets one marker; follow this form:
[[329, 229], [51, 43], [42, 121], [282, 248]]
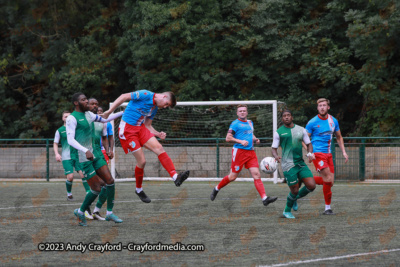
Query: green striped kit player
[[99, 133], [80, 129], [290, 137], [69, 157]]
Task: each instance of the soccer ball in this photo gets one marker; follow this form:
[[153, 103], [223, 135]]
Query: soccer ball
[[268, 165]]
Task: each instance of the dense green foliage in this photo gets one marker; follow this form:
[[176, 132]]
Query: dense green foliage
[[293, 51]]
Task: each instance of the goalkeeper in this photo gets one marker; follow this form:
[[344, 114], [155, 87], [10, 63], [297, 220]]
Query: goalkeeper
[[290, 137]]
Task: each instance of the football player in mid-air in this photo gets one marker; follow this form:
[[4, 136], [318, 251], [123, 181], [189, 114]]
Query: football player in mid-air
[[241, 133], [320, 129], [136, 131], [290, 138]]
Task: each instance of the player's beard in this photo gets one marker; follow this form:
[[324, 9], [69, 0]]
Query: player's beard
[[83, 108], [323, 114]]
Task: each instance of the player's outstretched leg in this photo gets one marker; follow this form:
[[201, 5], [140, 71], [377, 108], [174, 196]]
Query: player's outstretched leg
[[221, 184], [181, 177], [139, 173]]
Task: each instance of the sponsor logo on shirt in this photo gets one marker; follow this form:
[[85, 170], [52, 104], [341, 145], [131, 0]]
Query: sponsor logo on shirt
[[81, 119], [63, 132], [284, 133]]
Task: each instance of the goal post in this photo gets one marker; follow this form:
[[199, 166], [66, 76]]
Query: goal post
[[195, 140]]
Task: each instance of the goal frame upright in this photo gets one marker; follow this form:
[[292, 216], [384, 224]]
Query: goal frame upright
[[274, 104]]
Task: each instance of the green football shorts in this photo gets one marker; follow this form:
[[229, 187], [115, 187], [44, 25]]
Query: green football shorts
[[297, 173], [89, 167], [69, 166]]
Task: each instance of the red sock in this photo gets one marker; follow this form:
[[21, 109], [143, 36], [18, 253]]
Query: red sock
[[260, 187], [318, 180], [327, 192], [139, 172], [167, 163], [223, 182]]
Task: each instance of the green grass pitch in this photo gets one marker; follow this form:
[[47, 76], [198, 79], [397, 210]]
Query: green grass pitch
[[236, 229]]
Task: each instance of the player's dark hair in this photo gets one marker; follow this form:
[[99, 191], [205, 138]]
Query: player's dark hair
[[286, 110], [92, 98], [75, 97], [65, 111], [172, 97]]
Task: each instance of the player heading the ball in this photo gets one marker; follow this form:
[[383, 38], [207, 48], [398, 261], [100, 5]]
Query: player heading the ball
[[135, 131], [241, 133]]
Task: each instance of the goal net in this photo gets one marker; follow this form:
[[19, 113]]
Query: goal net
[[196, 133]]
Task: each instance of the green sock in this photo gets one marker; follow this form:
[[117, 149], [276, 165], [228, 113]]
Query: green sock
[[303, 192], [90, 197], [69, 186], [110, 196], [86, 186], [289, 202], [102, 197]]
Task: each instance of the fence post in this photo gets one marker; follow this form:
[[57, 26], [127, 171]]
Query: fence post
[[362, 160], [333, 149], [47, 160], [217, 157]]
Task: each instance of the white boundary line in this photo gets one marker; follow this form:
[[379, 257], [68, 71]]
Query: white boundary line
[[334, 258]]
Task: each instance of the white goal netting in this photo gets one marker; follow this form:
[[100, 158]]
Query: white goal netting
[[195, 140]]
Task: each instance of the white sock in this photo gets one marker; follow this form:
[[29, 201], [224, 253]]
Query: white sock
[[109, 212], [216, 188], [175, 176], [69, 194], [327, 207], [80, 212], [96, 209], [264, 198], [138, 190]]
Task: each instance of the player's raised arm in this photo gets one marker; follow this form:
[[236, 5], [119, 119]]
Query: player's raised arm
[[71, 127], [55, 146], [118, 102], [98, 118], [340, 141]]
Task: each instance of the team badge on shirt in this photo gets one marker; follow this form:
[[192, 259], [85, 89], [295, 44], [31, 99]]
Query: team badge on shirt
[[237, 168], [321, 163], [133, 144]]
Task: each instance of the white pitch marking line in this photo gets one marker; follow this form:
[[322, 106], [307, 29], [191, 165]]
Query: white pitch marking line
[[333, 258]]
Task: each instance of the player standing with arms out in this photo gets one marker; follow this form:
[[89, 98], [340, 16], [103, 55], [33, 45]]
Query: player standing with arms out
[[136, 131], [243, 154], [108, 153], [290, 138], [69, 157], [320, 129], [80, 129]]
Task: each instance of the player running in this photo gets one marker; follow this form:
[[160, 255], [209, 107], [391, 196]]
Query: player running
[[69, 157], [136, 131], [80, 129], [290, 138], [243, 154], [320, 129]]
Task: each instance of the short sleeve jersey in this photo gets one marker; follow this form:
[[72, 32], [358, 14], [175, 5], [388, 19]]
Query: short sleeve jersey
[[292, 149], [67, 152], [109, 132], [321, 131], [140, 107], [242, 130]]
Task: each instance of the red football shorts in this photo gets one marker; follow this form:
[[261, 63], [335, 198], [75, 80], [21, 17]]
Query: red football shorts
[[105, 156], [132, 138], [322, 161], [241, 157]]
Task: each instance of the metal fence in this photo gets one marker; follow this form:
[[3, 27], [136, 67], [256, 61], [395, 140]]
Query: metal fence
[[370, 158]]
